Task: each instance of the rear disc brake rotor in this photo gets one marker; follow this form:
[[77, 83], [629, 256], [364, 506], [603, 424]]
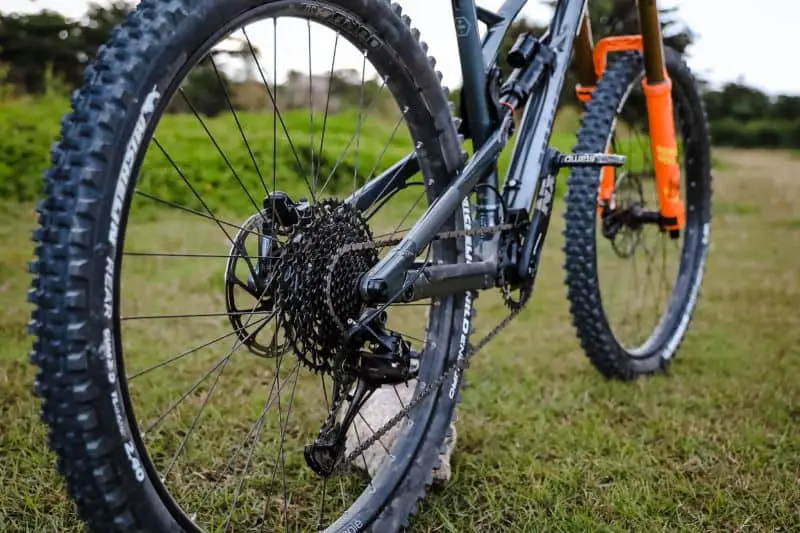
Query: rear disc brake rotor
[[250, 287]]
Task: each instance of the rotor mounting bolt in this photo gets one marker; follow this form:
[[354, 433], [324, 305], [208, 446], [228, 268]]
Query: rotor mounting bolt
[[408, 294]]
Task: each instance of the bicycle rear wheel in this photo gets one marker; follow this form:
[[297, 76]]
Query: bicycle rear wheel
[[614, 262], [175, 318]]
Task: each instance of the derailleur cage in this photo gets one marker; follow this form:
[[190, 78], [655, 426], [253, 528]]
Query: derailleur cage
[[326, 452], [388, 360]]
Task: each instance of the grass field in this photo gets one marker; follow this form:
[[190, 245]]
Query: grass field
[[544, 442]]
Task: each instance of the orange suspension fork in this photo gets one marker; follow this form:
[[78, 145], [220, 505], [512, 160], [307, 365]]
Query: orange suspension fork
[[658, 93], [587, 80], [663, 139]]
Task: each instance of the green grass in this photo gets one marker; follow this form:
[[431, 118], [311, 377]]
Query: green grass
[[25, 155], [544, 442], [30, 126]]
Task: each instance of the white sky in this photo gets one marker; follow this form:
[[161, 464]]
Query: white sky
[[737, 39]]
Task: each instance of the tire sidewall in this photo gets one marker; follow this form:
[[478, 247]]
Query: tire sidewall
[[657, 355], [116, 418]]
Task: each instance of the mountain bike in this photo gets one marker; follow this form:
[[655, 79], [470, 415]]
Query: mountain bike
[[291, 277]]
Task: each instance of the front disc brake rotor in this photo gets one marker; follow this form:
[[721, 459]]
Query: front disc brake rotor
[[629, 194]]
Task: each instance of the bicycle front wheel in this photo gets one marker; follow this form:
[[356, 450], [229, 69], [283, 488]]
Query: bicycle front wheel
[[632, 285]]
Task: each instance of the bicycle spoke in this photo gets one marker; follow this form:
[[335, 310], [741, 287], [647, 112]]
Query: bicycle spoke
[[191, 188], [276, 111], [377, 165], [274, 107], [369, 427], [384, 150], [391, 233], [410, 209], [259, 328], [643, 144], [238, 344], [660, 281], [321, 518], [199, 199], [399, 399], [325, 390], [667, 283], [238, 124], [195, 315], [311, 103], [238, 450], [283, 455], [193, 255], [352, 138], [408, 336], [638, 294], [613, 292], [341, 490], [190, 352], [327, 104], [360, 123], [197, 415], [220, 151], [649, 270], [249, 459], [283, 425], [275, 466], [358, 438], [185, 395], [194, 212]]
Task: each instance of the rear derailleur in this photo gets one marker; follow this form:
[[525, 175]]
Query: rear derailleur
[[373, 356]]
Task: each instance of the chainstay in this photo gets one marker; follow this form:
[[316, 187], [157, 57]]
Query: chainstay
[[454, 234], [450, 369]]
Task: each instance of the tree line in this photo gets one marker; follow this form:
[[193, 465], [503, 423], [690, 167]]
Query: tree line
[[46, 51], [745, 117]]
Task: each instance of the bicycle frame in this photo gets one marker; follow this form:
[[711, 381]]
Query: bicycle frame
[[527, 190]]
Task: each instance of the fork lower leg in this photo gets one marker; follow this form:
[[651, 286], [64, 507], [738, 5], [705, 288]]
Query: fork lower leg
[[663, 140]]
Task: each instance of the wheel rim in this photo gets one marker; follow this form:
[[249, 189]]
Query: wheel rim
[[642, 272], [184, 383]]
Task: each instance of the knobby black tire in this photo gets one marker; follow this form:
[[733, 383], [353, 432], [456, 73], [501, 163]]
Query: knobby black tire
[[101, 467], [586, 306]]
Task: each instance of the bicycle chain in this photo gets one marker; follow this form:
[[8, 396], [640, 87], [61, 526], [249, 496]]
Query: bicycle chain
[[452, 367]]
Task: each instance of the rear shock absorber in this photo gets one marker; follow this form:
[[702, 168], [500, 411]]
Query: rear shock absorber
[[531, 60]]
